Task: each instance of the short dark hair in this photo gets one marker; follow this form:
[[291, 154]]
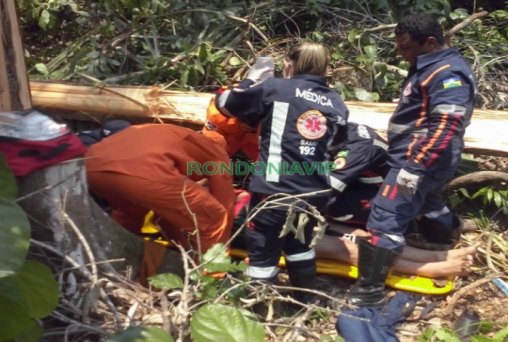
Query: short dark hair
[[420, 27]]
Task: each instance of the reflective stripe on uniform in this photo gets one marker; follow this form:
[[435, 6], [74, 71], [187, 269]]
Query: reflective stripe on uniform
[[449, 109], [309, 255], [221, 103], [437, 213], [371, 180], [279, 116], [380, 144], [404, 129], [262, 272], [337, 184]]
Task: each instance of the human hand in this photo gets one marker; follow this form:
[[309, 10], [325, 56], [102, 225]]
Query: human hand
[[261, 70], [407, 182]]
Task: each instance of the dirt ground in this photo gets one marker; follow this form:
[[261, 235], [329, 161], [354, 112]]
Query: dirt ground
[[475, 291], [471, 292]]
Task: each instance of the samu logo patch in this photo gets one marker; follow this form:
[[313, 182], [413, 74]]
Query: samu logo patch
[[311, 124]]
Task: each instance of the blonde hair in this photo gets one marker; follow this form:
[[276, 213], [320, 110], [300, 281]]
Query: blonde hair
[[308, 58]]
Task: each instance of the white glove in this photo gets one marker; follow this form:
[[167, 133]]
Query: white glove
[[407, 182], [261, 70]]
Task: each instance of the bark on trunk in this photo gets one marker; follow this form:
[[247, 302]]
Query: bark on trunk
[[63, 215], [14, 89]]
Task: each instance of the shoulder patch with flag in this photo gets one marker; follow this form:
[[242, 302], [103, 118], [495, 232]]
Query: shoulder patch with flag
[[452, 82]]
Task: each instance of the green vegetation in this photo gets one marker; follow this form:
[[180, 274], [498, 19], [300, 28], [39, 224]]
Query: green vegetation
[[28, 290], [201, 45]]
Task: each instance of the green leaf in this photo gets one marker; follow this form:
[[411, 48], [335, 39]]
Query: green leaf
[[446, 335], [501, 335], [363, 95], [141, 334], [217, 253], [464, 192], [44, 19], [32, 333], [166, 281], [352, 36], [498, 200], [14, 317], [14, 237], [41, 67], [480, 338], [370, 50], [8, 188], [235, 61], [203, 52], [39, 288], [217, 260], [217, 322]]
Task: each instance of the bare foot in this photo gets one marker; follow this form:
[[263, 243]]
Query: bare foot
[[459, 266], [459, 253]]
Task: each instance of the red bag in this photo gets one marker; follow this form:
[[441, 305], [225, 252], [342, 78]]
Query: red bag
[[25, 156], [31, 141]]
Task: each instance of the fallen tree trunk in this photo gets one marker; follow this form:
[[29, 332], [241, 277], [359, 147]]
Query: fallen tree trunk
[[485, 135], [479, 179]]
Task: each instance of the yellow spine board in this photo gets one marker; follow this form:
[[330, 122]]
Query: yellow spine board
[[404, 282]]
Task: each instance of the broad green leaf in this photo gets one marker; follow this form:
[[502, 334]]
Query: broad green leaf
[[41, 67], [337, 55], [498, 200], [217, 260], [44, 19], [217, 322], [480, 338], [370, 50], [226, 267], [8, 188], [352, 36], [166, 281], [464, 192], [234, 61], [14, 318], [363, 95], [217, 253], [501, 335], [446, 335], [39, 287], [203, 52], [141, 334], [14, 237], [32, 333]]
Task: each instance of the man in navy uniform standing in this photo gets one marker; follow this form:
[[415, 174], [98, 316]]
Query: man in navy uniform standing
[[426, 139]]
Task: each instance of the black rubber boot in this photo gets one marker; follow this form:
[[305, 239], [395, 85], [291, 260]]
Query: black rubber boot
[[373, 266], [431, 235], [437, 233], [302, 274]]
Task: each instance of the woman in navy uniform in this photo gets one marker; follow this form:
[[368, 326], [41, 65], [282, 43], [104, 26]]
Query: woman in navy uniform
[[301, 121]]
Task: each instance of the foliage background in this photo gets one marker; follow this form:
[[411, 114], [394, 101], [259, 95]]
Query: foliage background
[[200, 45]]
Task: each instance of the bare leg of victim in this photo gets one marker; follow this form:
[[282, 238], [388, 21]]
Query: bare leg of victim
[[423, 255]]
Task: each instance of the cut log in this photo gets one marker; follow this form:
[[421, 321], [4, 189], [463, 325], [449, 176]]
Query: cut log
[[485, 135], [14, 92]]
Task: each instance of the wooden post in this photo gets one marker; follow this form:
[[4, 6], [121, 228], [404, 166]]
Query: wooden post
[[14, 86]]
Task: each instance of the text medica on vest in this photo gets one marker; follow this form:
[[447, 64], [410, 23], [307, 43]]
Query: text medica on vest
[[313, 97]]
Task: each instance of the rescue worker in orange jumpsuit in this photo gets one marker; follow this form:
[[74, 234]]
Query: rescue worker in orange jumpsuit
[[239, 136], [146, 167]]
